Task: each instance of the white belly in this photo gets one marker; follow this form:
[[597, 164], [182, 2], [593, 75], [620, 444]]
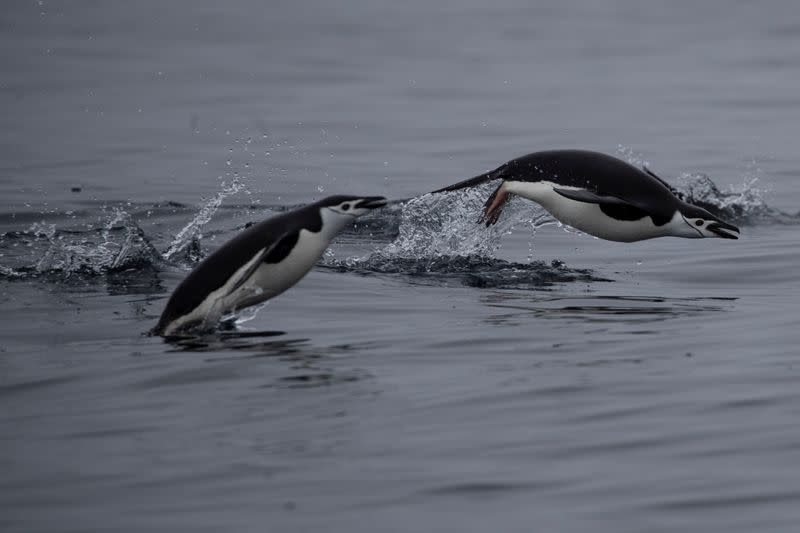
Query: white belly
[[584, 216], [271, 279]]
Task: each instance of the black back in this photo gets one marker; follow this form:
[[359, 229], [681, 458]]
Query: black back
[[216, 269], [599, 173]]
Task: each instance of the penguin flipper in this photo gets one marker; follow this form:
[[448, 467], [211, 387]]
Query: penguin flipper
[[612, 206], [590, 197], [273, 253]]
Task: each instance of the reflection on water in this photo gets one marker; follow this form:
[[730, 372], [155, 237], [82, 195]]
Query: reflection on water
[[305, 362], [601, 308], [235, 340]]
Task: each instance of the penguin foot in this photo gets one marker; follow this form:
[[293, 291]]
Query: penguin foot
[[494, 206]]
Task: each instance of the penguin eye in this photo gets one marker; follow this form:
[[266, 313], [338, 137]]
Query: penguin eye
[[345, 207], [698, 223]]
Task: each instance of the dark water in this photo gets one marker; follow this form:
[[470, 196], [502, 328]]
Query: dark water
[[431, 375]]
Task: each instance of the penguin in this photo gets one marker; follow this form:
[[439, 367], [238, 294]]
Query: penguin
[[259, 263], [599, 195]]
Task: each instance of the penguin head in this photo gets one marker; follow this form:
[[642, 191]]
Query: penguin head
[[351, 206], [699, 223]]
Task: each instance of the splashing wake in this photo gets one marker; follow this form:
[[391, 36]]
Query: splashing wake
[[188, 238], [428, 237], [120, 244], [439, 242], [744, 204]]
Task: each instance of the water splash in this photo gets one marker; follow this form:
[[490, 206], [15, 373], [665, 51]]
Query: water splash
[[247, 314], [743, 204], [116, 244], [445, 224], [188, 238], [8, 272], [424, 237], [122, 245], [379, 225], [440, 242], [627, 153]]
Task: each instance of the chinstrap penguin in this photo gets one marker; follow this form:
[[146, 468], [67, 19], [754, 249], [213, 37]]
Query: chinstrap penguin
[[599, 195], [260, 262]]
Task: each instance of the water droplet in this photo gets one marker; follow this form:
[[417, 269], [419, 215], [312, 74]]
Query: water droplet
[[320, 188]]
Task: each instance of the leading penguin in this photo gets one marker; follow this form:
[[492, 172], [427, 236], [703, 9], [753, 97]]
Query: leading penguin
[[599, 195], [260, 262]]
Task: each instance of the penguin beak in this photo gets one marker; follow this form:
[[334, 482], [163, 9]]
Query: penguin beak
[[724, 230], [371, 202]]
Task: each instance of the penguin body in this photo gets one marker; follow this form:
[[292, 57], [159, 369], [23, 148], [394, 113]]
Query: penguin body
[[259, 263], [599, 195]]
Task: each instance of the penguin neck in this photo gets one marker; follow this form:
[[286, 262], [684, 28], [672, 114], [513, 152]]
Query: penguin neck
[[679, 227], [332, 223]]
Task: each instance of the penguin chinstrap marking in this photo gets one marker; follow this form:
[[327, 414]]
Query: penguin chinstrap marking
[[259, 263], [599, 195]]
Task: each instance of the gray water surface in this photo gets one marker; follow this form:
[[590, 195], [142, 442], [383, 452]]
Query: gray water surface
[[429, 375]]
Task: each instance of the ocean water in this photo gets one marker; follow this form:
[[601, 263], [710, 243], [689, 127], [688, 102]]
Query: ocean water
[[429, 374]]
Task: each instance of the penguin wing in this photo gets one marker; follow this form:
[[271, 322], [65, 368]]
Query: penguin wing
[[617, 208], [275, 252], [591, 198]]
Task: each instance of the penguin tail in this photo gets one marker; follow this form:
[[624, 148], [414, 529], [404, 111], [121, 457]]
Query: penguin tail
[[472, 182]]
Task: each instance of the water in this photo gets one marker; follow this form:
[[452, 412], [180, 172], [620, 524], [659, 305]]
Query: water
[[430, 374]]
